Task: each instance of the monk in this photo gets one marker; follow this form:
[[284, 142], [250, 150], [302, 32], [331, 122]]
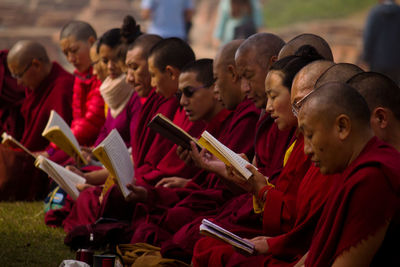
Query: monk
[[48, 87], [11, 97], [382, 96], [359, 218]]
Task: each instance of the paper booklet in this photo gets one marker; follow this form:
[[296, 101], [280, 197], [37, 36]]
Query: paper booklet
[[114, 155], [58, 132], [10, 141], [66, 179], [171, 131], [224, 154], [210, 229]]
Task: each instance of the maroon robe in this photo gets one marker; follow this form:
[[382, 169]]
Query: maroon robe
[[11, 97], [87, 208], [17, 168], [237, 214], [279, 210], [363, 199]]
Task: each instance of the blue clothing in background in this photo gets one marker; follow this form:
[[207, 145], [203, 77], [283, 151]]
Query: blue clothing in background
[[382, 40], [167, 17]]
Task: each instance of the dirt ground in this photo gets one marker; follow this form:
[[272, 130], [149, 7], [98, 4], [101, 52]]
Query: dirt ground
[[42, 20]]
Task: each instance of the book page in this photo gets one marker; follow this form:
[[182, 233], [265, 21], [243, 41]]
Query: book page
[[120, 160], [228, 155], [12, 142], [226, 236], [66, 179]]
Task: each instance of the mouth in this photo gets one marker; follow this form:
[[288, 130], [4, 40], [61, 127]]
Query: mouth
[[189, 113], [316, 163]]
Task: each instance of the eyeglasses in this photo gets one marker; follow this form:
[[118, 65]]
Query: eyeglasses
[[297, 105], [188, 91], [19, 76]]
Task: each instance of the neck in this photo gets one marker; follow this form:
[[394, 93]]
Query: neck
[[217, 109], [359, 140], [393, 137]]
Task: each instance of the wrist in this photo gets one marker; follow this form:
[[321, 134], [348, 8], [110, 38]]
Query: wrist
[[262, 193]]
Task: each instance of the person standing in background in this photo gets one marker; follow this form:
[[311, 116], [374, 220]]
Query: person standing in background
[[381, 39], [168, 18], [237, 19]]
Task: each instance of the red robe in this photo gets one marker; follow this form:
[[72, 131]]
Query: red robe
[[87, 208], [279, 210], [17, 168], [205, 193], [363, 199], [11, 97]]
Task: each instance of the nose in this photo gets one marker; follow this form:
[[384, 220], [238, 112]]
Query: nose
[[307, 147], [184, 100], [130, 78], [110, 65], [269, 108], [71, 57]]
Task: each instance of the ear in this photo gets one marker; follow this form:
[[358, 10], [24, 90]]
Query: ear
[[36, 63], [172, 72], [380, 117], [343, 126], [232, 71], [273, 59]]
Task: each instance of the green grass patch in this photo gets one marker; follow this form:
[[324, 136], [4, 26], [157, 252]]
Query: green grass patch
[[280, 13], [26, 241]]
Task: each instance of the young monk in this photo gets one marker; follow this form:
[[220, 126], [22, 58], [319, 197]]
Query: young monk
[[382, 96], [360, 213], [11, 97], [340, 72], [48, 87], [279, 202]]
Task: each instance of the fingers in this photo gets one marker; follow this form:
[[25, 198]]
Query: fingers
[[162, 182]]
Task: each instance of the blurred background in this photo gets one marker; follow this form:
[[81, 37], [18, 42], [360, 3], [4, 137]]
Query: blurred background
[[340, 22]]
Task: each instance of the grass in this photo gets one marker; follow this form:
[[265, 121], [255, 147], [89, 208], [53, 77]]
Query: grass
[[280, 13], [26, 241]]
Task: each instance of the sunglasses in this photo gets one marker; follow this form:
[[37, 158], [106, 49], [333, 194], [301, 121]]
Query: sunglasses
[[19, 76], [188, 91], [297, 105]]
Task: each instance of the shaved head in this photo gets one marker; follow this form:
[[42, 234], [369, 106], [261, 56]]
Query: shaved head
[[23, 52], [146, 43], [378, 90], [226, 54], [335, 98], [266, 45], [305, 79], [340, 72], [320, 45], [81, 30]]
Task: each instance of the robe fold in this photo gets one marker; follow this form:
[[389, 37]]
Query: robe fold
[[363, 200], [54, 92], [11, 97]]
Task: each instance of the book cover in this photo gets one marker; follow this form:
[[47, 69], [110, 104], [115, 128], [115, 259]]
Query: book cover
[[10, 141]]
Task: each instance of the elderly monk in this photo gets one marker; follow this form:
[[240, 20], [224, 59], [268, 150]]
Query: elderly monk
[[11, 97], [48, 87], [360, 214]]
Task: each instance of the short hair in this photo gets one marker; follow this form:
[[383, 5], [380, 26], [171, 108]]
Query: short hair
[[320, 45], [24, 51], [173, 52], [203, 69], [290, 65], [81, 30], [265, 44], [378, 90], [340, 72], [126, 35], [337, 98], [146, 42]]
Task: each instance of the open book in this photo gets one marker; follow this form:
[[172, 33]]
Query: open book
[[224, 154], [114, 155], [210, 229], [171, 131], [10, 141], [66, 179], [58, 132]]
